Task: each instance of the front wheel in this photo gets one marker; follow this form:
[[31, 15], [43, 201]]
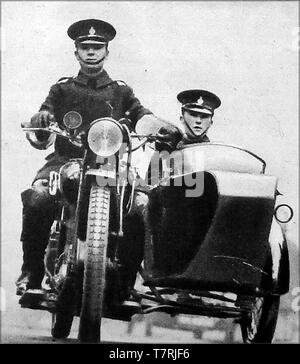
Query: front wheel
[[260, 325], [95, 264]]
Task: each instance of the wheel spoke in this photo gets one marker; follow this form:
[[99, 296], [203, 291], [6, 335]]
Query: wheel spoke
[[260, 325]]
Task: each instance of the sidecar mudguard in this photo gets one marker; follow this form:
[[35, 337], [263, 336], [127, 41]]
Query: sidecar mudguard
[[237, 251], [279, 259]]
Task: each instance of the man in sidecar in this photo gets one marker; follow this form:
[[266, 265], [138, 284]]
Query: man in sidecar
[[93, 94], [196, 118], [197, 111]]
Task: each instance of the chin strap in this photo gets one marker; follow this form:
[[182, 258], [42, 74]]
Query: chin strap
[[85, 64]]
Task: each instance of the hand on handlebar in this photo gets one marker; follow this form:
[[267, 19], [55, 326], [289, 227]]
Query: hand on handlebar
[[167, 138], [42, 119]]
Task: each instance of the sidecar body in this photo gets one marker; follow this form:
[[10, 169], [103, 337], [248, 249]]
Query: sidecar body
[[211, 223]]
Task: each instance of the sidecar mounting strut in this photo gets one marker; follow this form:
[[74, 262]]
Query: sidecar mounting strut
[[215, 311], [173, 307], [169, 291]]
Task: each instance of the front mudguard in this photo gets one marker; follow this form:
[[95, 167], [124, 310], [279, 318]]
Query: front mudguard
[[279, 259]]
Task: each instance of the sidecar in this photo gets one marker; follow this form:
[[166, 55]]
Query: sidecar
[[212, 228]]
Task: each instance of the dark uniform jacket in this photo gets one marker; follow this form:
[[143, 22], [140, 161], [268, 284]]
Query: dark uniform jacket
[[93, 99], [196, 140]]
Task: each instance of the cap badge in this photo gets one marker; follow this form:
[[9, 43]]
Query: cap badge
[[92, 31], [200, 101]]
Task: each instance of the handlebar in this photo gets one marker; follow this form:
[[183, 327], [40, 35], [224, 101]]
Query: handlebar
[[55, 129], [76, 139]]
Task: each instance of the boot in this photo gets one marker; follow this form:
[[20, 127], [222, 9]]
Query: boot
[[38, 216], [32, 271]]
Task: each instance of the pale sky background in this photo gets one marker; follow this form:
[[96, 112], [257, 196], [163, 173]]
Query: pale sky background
[[245, 52]]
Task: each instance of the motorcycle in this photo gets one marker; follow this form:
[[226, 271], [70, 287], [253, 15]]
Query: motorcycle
[[213, 244]]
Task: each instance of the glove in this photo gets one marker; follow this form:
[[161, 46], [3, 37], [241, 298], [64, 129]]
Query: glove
[[41, 119], [168, 138]]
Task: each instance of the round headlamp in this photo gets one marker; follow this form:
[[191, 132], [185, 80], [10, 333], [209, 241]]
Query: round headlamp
[[105, 137], [283, 213]]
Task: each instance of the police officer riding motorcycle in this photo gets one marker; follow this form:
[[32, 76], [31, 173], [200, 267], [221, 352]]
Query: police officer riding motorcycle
[[90, 95]]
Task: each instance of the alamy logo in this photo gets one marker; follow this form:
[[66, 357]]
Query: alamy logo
[[167, 169]]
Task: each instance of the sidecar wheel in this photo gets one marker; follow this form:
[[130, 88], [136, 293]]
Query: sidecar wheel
[[260, 326], [95, 264]]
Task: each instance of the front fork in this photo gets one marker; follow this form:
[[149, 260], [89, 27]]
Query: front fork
[[122, 198]]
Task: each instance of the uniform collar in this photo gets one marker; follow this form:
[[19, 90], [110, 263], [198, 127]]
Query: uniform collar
[[185, 141], [101, 80], [201, 139]]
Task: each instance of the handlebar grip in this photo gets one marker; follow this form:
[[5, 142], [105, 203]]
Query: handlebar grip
[[35, 129], [25, 124]]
